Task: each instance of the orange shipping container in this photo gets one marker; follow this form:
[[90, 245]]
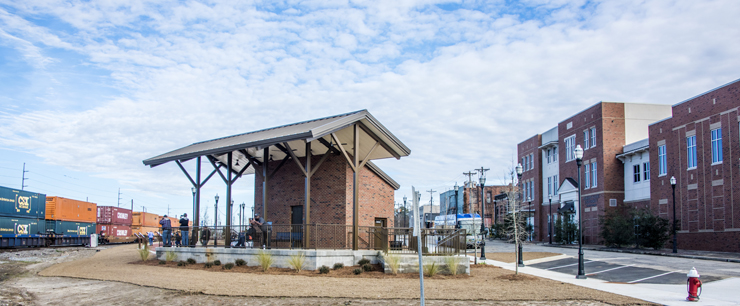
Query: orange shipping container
[[144, 230], [58, 208], [145, 219]]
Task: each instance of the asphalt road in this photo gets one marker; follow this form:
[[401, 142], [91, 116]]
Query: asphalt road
[[607, 260]]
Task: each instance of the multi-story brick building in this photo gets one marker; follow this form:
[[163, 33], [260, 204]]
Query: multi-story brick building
[[601, 130], [468, 199], [699, 146]]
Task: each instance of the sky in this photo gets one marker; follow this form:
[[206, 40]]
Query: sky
[[89, 89]]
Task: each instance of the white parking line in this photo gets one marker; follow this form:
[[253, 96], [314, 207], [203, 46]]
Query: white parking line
[[568, 265], [609, 269], [642, 279]]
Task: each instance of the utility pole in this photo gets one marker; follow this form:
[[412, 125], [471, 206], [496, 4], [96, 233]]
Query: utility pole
[[119, 197], [132, 205], [431, 203], [470, 178], [23, 181]]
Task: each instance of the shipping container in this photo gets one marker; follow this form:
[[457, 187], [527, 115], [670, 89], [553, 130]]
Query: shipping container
[[21, 232], [113, 230], [20, 203], [145, 219], [144, 230], [114, 215], [70, 228], [63, 209]]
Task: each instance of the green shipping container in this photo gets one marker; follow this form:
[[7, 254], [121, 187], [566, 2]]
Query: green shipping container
[[21, 227], [69, 228], [22, 204]]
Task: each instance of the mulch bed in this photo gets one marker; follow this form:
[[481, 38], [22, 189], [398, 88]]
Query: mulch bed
[[346, 272]]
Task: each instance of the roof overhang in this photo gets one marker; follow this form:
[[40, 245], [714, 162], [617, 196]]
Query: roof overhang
[[295, 137]]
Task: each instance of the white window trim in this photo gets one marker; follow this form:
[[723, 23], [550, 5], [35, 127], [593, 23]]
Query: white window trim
[[593, 137]]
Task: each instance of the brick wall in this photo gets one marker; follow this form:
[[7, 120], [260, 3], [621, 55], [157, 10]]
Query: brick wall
[[708, 196], [530, 147]]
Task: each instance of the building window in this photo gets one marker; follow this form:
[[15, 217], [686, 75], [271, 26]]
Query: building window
[[555, 184], [531, 161], [548, 156], [549, 186], [636, 173], [587, 176], [717, 145], [646, 171], [554, 154], [570, 145], [593, 137], [691, 151], [662, 161], [593, 175], [585, 140]]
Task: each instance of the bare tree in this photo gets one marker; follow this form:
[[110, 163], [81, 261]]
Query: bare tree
[[514, 223]]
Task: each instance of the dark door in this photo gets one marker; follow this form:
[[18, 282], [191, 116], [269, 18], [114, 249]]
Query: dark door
[[380, 236]]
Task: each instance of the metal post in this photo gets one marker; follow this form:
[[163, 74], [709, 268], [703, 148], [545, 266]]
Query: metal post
[[215, 222], [196, 214], [356, 191], [549, 218], [520, 262], [482, 220], [265, 163], [307, 197], [675, 241], [581, 272]]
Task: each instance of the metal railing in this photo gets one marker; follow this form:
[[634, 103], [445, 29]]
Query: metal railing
[[325, 236]]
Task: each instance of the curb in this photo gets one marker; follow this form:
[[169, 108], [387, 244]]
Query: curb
[[650, 253]]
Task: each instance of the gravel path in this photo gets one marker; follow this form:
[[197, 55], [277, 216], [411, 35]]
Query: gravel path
[[113, 265]]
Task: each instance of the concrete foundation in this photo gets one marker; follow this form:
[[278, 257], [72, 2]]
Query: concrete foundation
[[410, 264], [314, 258]]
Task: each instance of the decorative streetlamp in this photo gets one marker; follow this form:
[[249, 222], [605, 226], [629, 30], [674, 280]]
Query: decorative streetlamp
[[549, 218], [193, 241], [456, 188], [520, 259], [215, 222], [482, 179], [675, 242], [405, 212], [579, 160]]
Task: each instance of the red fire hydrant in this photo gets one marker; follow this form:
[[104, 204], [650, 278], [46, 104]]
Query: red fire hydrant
[[693, 285]]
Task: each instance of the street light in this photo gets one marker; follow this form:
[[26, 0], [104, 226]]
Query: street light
[[482, 179], [549, 218], [520, 260], [579, 160], [675, 242], [405, 212], [192, 241], [215, 222], [456, 188]]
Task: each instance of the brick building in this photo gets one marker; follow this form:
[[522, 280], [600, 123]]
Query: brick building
[[602, 130], [699, 146], [468, 198], [310, 172]]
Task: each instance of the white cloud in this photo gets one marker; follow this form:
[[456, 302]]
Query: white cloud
[[460, 88]]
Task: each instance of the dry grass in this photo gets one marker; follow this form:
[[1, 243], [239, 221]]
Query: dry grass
[[393, 261], [452, 263], [144, 253], [170, 256], [297, 261], [431, 269], [265, 260]]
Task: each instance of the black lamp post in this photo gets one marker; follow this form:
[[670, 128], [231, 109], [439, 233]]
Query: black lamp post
[[483, 215], [520, 259], [192, 240], [456, 188], [675, 242], [549, 218], [405, 212], [579, 160], [215, 222]]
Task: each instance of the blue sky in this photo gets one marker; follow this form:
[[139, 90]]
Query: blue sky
[[90, 89]]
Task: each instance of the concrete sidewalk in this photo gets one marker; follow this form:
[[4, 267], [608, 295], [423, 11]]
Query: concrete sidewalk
[[690, 254], [723, 292]]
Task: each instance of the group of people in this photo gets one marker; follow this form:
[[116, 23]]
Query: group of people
[[181, 236]]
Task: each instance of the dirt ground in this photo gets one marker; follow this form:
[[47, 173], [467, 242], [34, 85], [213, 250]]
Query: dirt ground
[[110, 278]]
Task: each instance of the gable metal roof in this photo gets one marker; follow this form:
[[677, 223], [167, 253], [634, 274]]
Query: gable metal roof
[[296, 135]]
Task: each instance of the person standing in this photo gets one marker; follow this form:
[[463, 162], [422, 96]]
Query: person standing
[[184, 227], [166, 231], [260, 222], [151, 238]]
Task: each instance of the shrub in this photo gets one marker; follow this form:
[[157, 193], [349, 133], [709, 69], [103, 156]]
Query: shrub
[[181, 263], [191, 261], [363, 261], [170, 256], [217, 262], [323, 270], [452, 263], [161, 262], [338, 266], [367, 267], [357, 271], [431, 269], [144, 253], [240, 262], [616, 229], [652, 230], [393, 261], [265, 260], [228, 266], [208, 264], [297, 261]]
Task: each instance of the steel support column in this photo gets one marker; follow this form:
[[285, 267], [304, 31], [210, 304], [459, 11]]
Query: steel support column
[[307, 205], [356, 190], [265, 162], [196, 218], [229, 182]]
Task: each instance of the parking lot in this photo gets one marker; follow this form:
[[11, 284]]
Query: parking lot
[[618, 273]]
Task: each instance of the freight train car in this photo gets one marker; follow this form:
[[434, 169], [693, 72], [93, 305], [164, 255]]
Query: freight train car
[[62, 233], [21, 218]]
